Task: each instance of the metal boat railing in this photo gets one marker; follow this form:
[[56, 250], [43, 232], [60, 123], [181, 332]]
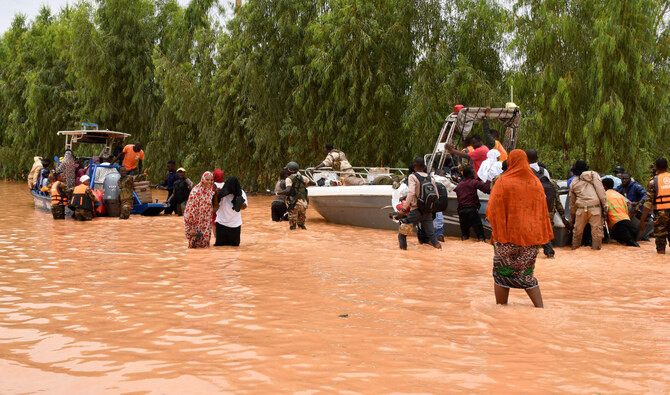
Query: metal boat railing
[[361, 172]]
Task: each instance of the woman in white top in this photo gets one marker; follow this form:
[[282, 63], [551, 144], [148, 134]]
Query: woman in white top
[[232, 200]]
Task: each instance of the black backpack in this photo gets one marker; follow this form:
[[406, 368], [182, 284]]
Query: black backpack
[[433, 196], [549, 192]]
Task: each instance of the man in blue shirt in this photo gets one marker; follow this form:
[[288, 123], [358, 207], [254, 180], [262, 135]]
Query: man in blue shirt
[[168, 184], [632, 190]]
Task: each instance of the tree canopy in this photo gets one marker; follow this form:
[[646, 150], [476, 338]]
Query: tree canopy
[[280, 78]]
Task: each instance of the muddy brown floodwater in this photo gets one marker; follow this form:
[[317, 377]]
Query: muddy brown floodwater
[[115, 306]]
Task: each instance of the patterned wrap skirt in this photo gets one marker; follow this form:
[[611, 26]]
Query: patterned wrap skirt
[[513, 265]]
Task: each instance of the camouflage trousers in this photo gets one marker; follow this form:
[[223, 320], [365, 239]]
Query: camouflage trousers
[[58, 212], [296, 216], [661, 228], [83, 215], [126, 208]]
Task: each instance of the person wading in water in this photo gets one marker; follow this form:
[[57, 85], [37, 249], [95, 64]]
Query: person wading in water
[[296, 191], [517, 211]]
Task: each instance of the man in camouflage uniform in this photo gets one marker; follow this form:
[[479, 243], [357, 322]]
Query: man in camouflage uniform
[[296, 190], [337, 160], [658, 199], [126, 189]]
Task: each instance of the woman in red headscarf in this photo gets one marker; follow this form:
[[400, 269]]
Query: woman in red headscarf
[[517, 211], [198, 213]]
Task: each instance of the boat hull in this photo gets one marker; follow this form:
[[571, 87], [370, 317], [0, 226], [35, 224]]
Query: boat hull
[[369, 206], [43, 203]]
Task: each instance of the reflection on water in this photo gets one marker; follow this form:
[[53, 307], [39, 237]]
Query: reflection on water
[[123, 306]]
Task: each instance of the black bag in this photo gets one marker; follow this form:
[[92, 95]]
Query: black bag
[[549, 192], [433, 197]]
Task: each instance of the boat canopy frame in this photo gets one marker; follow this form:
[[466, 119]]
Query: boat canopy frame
[[93, 136], [461, 124]]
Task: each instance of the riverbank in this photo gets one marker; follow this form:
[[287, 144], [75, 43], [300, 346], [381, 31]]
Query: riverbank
[[120, 306]]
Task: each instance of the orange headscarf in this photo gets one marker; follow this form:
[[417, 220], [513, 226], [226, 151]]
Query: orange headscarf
[[517, 208]]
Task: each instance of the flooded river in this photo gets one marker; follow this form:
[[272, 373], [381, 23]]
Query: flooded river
[[115, 306]]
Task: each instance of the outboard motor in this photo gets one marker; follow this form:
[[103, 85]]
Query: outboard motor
[[111, 194]]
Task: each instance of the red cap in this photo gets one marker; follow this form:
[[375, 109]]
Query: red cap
[[457, 108]]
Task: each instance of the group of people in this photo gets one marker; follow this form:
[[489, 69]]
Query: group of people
[[521, 209]]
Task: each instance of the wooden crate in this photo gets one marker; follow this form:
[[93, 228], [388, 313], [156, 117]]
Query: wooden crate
[[143, 191]]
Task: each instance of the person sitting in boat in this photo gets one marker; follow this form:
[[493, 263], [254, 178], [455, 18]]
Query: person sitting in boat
[[35, 172], [43, 177], [58, 197], [131, 158], [338, 161], [83, 200], [126, 188], [478, 155]]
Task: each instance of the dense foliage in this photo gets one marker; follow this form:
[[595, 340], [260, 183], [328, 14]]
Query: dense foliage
[[282, 77]]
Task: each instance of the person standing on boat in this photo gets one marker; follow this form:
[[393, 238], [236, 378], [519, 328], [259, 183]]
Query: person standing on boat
[[410, 209], [658, 199], [296, 192], [588, 202], [168, 185], [69, 168], [131, 158], [58, 197], [478, 155], [83, 200], [338, 161], [126, 189], [278, 209]]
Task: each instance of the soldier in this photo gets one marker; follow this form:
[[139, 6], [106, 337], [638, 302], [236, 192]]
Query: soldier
[[83, 200], [337, 160], [58, 197], [658, 199], [296, 190], [126, 189]]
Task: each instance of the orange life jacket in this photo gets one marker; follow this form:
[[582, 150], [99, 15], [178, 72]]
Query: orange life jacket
[[662, 182], [499, 147], [80, 199], [468, 149], [617, 209], [56, 198]]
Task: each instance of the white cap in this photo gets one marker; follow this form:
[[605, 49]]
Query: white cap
[[84, 178]]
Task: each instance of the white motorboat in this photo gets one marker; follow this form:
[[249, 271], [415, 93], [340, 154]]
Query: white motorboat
[[371, 205]]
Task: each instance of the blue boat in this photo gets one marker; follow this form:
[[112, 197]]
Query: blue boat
[[97, 172]]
